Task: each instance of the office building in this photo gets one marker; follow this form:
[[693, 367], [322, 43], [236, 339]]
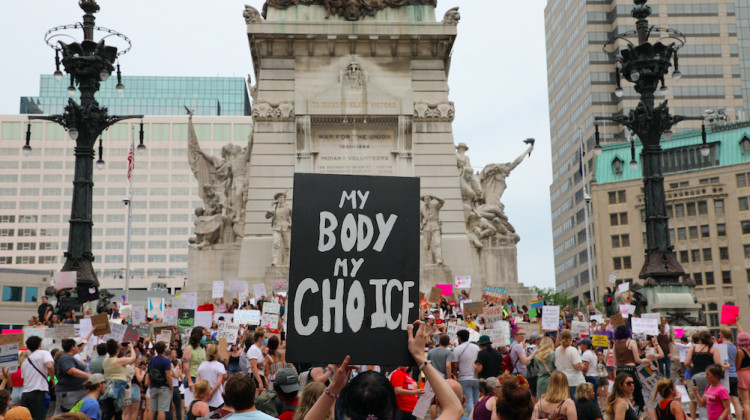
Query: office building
[[581, 84]]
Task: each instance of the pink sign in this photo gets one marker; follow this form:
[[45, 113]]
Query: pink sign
[[445, 289], [679, 332], [729, 314], [6, 331]]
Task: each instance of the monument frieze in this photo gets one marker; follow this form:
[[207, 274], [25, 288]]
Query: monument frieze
[[351, 10]]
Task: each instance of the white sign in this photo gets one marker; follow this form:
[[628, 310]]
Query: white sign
[[623, 287], [65, 279], [84, 327], [243, 317], [463, 282], [499, 336], [155, 307], [34, 332], [237, 286], [9, 357], [612, 277], [598, 318], [271, 315], [550, 318], [218, 290], [260, 290], [190, 300], [424, 401], [452, 330], [653, 315], [139, 315], [228, 331], [648, 326], [202, 319], [165, 336], [117, 332], [579, 328], [126, 311], [170, 316], [226, 317]]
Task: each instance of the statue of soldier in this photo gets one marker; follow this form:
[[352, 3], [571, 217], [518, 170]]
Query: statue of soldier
[[281, 223], [430, 223]]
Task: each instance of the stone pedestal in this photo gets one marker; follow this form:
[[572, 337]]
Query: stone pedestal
[[432, 274], [275, 274], [213, 263], [672, 299], [500, 266]]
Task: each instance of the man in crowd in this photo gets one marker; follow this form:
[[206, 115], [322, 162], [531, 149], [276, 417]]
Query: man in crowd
[[287, 387], [489, 360], [43, 308], [441, 356], [34, 371], [464, 355], [160, 378], [96, 365], [239, 393]]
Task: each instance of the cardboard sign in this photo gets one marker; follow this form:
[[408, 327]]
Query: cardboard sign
[[473, 308], [223, 353], [600, 341], [65, 279], [463, 282], [203, 319], [139, 315], [494, 294], [170, 316], [12, 339], [354, 273], [155, 308], [270, 317], [217, 290], [492, 313], [100, 323], [247, 317], [237, 286], [729, 314], [550, 318], [280, 286], [259, 289], [185, 319], [435, 295], [616, 320], [9, 356], [227, 331]]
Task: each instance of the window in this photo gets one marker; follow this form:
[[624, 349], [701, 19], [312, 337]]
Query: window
[[693, 232], [721, 229], [6, 260], [719, 206], [670, 213], [26, 246], [6, 246], [709, 276], [698, 277], [626, 263], [684, 257], [679, 210], [31, 294], [615, 241], [726, 277], [671, 235], [7, 232], [612, 219], [723, 253], [745, 226], [612, 197], [702, 207], [681, 234], [695, 255], [624, 218], [7, 219], [26, 260], [617, 262], [690, 209], [625, 240], [704, 231], [743, 203], [707, 254], [621, 196], [12, 293], [741, 180]]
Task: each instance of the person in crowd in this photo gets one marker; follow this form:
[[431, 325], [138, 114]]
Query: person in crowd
[[481, 326], [664, 338], [159, 380], [17, 380], [257, 359], [715, 397], [233, 365], [115, 372], [568, 361], [742, 364], [4, 403], [618, 401], [287, 387], [239, 393], [407, 392], [627, 358], [71, 374], [276, 358], [488, 362], [544, 363], [213, 371], [201, 395], [514, 401], [34, 371], [587, 407], [556, 402], [18, 413], [370, 395], [731, 372], [464, 355], [590, 361], [441, 356], [668, 393], [95, 366], [89, 405], [192, 357], [307, 398], [518, 357], [682, 350], [176, 412], [702, 355], [484, 408], [44, 311], [222, 305], [135, 376], [176, 347]]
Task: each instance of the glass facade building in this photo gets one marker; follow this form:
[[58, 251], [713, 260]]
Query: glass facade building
[[149, 95]]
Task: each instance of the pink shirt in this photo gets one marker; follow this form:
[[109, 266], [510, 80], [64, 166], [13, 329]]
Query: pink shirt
[[714, 396]]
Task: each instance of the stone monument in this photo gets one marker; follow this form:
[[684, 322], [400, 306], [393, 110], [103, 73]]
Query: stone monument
[[360, 87]]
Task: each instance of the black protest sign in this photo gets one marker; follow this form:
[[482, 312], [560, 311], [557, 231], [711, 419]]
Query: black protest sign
[[185, 319], [87, 294], [354, 271]]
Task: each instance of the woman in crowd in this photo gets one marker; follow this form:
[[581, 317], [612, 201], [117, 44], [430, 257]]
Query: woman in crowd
[[618, 401], [370, 395], [715, 397], [71, 374], [233, 365], [586, 405], [743, 369], [484, 408], [668, 393], [568, 361], [480, 324], [212, 370], [4, 403], [193, 355], [222, 305], [199, 406], [138, 367], [591, 309], [69, 317], [128, 409], [556, 402], [176, 395], [627, 358], [307, 398], [544, 363], [702, 355], [213, 330], [513, 401], [116, 374], [258, 365], [276, 358]]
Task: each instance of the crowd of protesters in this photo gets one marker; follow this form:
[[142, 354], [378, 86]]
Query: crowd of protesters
[[542, 374]]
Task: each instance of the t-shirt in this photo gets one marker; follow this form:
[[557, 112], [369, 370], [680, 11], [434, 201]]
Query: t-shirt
[[162, 364], [91, 408], [67, 382], [565, 360], [439, 356], [254, 352], [465, 354], [491, 361], [714, 396], [288, 414], [588, 410], [211, 371], [33, 380], [590, 356], [404, 402], [732, 355], [252, 415], [518, 366], [682, 350], [96, 364]]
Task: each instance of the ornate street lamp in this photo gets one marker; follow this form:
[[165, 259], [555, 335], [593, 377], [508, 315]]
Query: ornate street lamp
[[87, 63], [646, 65]]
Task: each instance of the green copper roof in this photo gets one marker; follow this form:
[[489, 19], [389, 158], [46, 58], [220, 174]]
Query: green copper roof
[[726, 150]]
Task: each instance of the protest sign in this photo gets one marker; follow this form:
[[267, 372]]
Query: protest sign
[[259, 289], [531, 329], [126, 311], [117, 332], [354, 274], [612, 277], [270, 317], [244, 317], [729, 314], [203, 319], [223, 317], [165, 336], [616, 320], [237, 286], [279, 286], [493, 313], [190, 300], [579, 328], [623, 287], [649, 375], [223, 353], [170, 316], [100, 323], [435, 294], [217, 290], [65, 279], [87, 294], [463, 282], [679, 332], [452, 329], [550, 318], [155, 307], [139, 315], [63, 331], [423, 403], [445, 289], [627, 310], [652, 315], [499, 336], [600, 341], [599, 318], [131, 334], [144, 331], [494, 294], [9, 356], [473, 308], [13, 339], [228, 331], [67, 303], [648, 326], [684, 396], [185, 319]]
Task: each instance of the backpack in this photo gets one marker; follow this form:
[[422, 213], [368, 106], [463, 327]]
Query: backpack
[[506, 364], [77, 408], [156, 377], [268, 403]]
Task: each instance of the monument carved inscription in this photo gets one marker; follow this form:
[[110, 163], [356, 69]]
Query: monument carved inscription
[[362, 150]]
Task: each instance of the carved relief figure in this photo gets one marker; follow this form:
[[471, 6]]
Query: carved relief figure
[[281, 223], [351, 10], [430, 224], [353, 77], [492, 177], [470, 189]]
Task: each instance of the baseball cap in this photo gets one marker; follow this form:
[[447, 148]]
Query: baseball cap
[[287, 380], [78, 341], [18, 413], [532, 338], [96, 378]]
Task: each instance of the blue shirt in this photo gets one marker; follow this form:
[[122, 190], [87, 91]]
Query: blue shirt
[[90, 407], [732, 354], [252, 415]]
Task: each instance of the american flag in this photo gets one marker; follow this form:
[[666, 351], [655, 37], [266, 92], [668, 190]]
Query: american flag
[[131, 162]]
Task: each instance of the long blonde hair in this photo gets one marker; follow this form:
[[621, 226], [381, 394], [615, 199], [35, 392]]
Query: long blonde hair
[[558, 390], [307, 398], [566, 338], [546, 347], [22, 357]]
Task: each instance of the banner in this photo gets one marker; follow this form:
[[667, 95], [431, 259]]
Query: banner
[[218, 290], [65, 279], [354, 273]]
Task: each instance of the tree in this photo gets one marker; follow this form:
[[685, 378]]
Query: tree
[[553, 297]]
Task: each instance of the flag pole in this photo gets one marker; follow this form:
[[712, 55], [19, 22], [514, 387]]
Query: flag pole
[[129, 203]]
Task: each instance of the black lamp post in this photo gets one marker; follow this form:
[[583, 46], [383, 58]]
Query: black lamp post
[[646, 65], [87, 63]]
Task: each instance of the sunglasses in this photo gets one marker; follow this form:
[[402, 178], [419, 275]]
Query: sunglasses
[[629, 383]]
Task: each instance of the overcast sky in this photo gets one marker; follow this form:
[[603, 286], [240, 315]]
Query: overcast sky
[[497, 78]]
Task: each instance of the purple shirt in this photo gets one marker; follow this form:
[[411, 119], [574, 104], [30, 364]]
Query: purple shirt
[[518, 366]]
